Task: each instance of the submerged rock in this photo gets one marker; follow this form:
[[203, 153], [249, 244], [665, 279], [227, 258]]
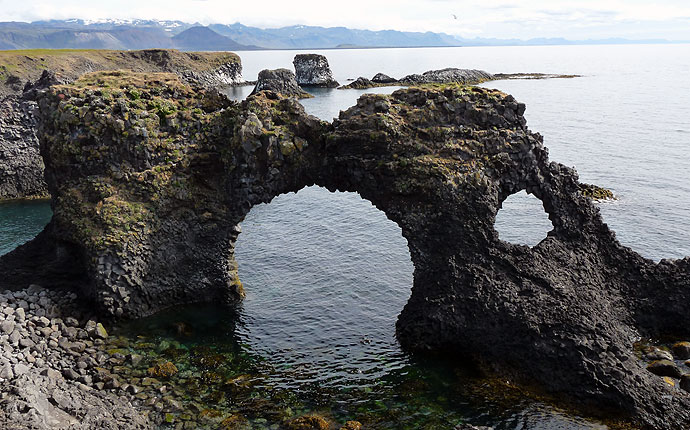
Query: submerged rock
[[664, 368], [312, 70], [309, 422], [280, 81], [681, 350], [159, 229]]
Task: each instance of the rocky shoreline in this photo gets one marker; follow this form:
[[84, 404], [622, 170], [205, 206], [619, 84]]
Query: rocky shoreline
[[51, 356]]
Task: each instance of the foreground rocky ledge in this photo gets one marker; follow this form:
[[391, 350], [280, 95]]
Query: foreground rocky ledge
[[151, 179]]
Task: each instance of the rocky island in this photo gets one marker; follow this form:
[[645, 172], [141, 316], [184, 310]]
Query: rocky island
[[150, 178]]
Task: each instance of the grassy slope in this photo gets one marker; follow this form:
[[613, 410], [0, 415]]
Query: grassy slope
[[19, 66]]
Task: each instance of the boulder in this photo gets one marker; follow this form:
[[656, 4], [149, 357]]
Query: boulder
[[664, 368], [381, 78], [681, 350], [312, 70], [280, 81]]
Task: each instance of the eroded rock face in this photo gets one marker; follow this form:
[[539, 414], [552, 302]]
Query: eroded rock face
[[21, 166], [280, 81], [149, 192], [312, 70]]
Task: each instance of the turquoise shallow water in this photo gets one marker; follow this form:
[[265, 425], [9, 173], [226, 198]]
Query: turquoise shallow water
[[20, 221], [326, 273]]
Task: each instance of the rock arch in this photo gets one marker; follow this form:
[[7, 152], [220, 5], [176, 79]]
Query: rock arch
[[150, 178]]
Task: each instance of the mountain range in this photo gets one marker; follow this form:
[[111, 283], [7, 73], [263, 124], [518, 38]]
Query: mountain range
[[143, 34]]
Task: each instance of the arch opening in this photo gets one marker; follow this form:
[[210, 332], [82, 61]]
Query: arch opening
[[522, 220], [326, 275]]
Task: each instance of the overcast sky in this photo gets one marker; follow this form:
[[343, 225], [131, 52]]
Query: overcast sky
[[577, 19]]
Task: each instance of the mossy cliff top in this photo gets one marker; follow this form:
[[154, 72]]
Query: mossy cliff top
[[18, 67], [125, 140]]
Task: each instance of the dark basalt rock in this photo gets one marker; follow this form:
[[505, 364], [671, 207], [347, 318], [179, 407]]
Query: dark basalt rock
[[148, 198], [312, 70], [665, 368], [21, 166], [682, 350], [449, 75], [381, 78], [280, 81]]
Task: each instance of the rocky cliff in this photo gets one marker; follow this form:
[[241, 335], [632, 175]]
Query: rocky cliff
[[21, 167], [150, 180]]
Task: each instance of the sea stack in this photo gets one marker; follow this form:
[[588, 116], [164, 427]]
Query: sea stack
[[280, 81], [312, 70]]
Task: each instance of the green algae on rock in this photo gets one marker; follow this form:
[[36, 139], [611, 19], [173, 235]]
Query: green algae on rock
[[596, 192]]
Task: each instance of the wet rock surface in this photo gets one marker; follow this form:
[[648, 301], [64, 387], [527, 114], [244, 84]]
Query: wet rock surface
[[312, 70], [149, 189], [280, 81]]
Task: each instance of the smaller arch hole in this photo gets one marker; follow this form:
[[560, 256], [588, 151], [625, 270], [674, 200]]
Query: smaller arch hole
[[522, 220]]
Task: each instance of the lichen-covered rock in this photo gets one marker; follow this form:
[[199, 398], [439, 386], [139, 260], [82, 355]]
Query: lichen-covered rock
[[280, 81], [448, 75], [312, 70], [382, 78], [151, 179]]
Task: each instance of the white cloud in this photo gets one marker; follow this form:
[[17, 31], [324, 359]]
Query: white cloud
[[486, 18]]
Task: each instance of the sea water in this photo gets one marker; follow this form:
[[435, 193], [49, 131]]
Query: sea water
[[326, 274]]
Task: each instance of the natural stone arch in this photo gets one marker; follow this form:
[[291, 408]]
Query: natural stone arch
[[524, 208], [147, 204]]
